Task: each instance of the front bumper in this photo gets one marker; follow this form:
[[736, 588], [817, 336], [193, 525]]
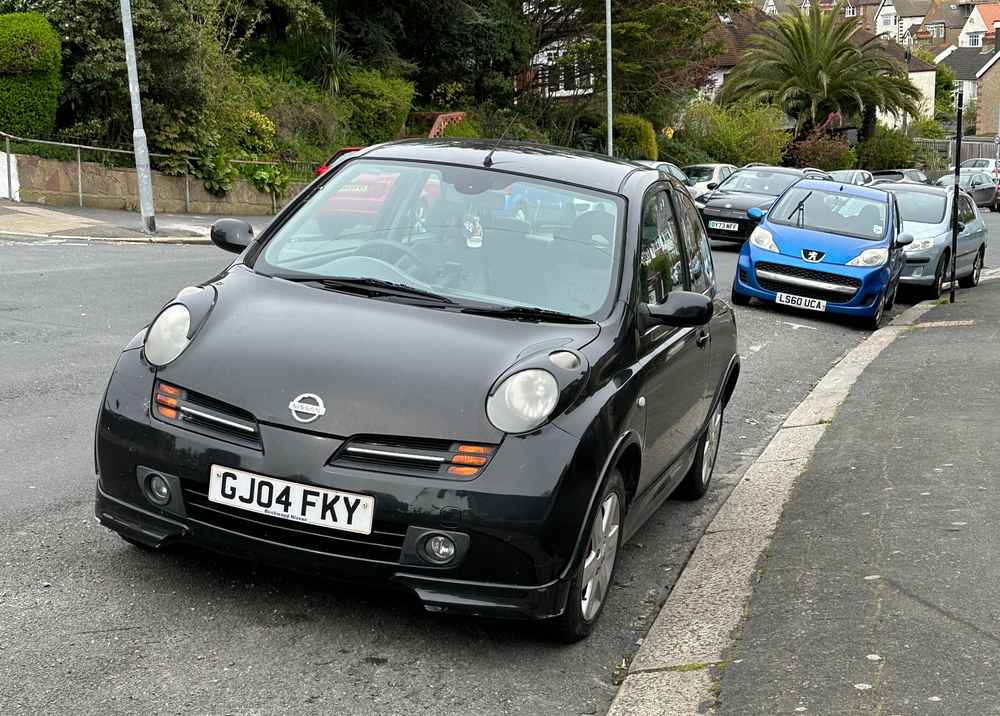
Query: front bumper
[[791, 275], [522, 516], [919, 268]]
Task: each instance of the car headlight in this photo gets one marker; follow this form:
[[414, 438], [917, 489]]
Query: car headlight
[[870, 257], [523, 401], [167, 337], [762, 239], [918, 245], [698, 203]]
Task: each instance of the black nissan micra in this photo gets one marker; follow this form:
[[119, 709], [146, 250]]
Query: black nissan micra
[[464, 368]]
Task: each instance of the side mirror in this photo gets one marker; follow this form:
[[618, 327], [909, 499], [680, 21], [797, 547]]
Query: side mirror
[[904, 240], [755, 213], [232, 234], [961, 226], [681, 309], [712, 185]]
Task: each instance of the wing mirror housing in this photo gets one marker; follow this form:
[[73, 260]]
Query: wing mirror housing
[[961, 226], [755, 213], [904, 240], [681, 309], [232, 234], [712, 185]]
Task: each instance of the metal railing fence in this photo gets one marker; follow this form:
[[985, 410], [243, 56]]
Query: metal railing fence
[[297, 170]]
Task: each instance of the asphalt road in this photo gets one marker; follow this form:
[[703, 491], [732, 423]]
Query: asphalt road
[[89, 624]]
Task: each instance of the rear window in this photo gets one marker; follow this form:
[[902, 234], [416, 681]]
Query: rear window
[[921, 207]]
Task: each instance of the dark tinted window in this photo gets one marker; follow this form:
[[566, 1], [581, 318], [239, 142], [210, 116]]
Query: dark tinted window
[[966, 213], [661, 268], [696, 246]]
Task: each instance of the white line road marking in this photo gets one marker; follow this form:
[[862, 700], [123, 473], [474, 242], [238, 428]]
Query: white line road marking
[[670, 673], [797, 326]]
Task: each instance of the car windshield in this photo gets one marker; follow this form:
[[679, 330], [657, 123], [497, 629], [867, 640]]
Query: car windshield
[[474, 236], [973, 163], [921, 207], [759, 181], [964, 179], [699, 173], [831, 211]]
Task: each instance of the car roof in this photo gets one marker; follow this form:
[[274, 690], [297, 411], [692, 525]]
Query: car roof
[[780, 170], [867, 192], [538, 160], [916, 188]]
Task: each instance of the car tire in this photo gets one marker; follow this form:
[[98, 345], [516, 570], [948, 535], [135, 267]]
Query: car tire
[[892, 297], [582, 612], [739, 299], [933, 291], [873, 323], [698, 478], [972, 280]]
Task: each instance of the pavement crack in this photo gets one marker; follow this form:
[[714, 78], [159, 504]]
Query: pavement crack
[[986, 634]]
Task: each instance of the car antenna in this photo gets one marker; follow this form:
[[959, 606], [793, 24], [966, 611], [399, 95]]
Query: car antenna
[[488, 161]]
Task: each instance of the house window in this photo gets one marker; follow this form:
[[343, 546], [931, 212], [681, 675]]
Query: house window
[[936, 30], [769, 8], [850, 11], [975, 39], [888, 20]]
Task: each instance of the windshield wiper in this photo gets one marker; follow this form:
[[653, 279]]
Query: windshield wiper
[[370, 287], [800, 210], [526, 313]]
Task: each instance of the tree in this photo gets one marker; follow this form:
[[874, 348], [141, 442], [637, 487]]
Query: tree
[[812, 65]]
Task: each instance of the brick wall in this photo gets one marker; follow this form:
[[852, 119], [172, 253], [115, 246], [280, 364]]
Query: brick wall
[[988, 101], [47, 181]]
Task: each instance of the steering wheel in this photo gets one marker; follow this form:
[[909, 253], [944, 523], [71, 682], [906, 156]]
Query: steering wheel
[[417, 263]]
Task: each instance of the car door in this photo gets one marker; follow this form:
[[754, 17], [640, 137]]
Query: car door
[[971, 237], [672, 362]]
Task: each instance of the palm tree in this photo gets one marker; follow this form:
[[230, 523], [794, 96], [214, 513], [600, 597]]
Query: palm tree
[[812, 65]]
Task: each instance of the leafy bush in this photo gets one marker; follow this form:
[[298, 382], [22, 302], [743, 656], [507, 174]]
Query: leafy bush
[[822, 151], [217, 173], [379, 105], [681, 153], [969, 120], [738, 134], [28, 44], [256, 133], [634, 137], [468, 128], [887, 149], [928, 129], [267, 178], [30, 58]]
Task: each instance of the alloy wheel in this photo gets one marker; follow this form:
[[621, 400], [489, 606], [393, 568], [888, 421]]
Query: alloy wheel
[[601, 553], [711, 446]]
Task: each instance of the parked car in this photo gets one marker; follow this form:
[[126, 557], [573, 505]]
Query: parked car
[[474, 412], [325, 166], [927, 213], [858, 177], [825, 246], [898, 175], [724, 208], [977, 184], [990, 166], [702, 175], [670, 168]]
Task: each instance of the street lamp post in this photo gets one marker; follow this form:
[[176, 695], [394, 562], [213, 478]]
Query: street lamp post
[[607, 33], [954, 201], [143, 174]]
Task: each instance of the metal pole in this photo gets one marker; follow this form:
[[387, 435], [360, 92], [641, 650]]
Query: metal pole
[[142, 171], [607, 34], [187, 187], [79, 177], [10, 185], [954, 201]]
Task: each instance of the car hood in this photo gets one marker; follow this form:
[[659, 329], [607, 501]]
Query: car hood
[[837, 248], [737, 200], [920, 230], [381, 368]]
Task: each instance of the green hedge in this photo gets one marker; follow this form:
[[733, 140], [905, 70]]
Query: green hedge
[[888, 149], [468, 128], [682, 153], [635, 137], [379, 105], [28, 44], [30, 58]]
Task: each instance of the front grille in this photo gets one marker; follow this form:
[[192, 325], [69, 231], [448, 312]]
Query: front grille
[[413, 456], [384, 544], [206, 415], [808, 274]]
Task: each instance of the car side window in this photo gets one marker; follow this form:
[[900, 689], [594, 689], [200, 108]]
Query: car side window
[[661, 268], [696, 246], [966, 213]]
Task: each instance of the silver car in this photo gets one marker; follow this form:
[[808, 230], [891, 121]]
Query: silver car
[[926, 213], [858, 177]]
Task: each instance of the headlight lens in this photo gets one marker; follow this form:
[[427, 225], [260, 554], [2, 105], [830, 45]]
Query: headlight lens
[[523, 401], [918, 245], [870, 257], [168, 336], [762, 239]]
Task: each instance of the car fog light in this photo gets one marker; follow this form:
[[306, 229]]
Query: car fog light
[[157, 489], [439, 549], [918, 271]]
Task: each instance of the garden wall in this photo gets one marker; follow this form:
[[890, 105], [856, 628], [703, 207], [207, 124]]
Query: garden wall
[[52, 182]]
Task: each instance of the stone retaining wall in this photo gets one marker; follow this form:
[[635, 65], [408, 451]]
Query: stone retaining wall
[[52, 182]]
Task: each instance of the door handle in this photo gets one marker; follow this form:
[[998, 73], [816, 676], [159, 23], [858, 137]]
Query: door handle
[[703, 338]]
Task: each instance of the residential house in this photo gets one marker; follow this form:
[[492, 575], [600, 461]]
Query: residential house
[[864, 10], [894, 18], [941, 26], [978, 25], [977, 71]]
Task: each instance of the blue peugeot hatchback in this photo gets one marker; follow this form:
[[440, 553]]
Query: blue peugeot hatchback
[[825, 246]]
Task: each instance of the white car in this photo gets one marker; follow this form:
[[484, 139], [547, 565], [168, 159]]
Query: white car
[[701, 175], [858, 177], [989, 166]]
